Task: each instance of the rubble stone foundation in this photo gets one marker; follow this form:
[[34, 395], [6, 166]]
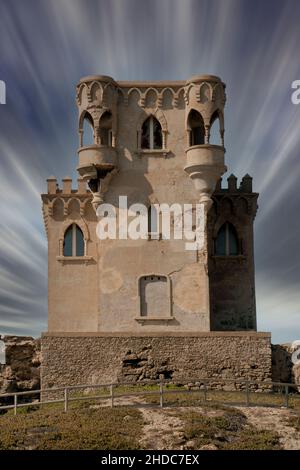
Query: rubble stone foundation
[[77, 359]]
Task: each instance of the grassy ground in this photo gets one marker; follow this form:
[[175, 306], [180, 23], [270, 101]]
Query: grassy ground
[[228, 430], [85, 426], [81, 428], [149, 393], [121, 428], [182, 398], [235, 398], [197, 397]]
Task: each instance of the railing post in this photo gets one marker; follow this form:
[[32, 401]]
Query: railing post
[[112, 395], [205, 391], [161, 394], [286, 396], [247, 394], [15, 404], [66, 399]]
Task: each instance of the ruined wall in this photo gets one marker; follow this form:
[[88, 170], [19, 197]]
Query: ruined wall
[[231, 278], [22, 368], [80, 359], [283, 369]]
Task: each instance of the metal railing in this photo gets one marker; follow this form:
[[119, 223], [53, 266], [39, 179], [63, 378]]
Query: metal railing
[[203, 386]]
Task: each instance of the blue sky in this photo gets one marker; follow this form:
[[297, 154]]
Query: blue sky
[[47, 45]]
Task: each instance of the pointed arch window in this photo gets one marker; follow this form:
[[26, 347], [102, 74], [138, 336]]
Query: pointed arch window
[[151, 134], [196, 128], [215, 136], [105, 129], [73, 241], [86, 130], [227, 241]]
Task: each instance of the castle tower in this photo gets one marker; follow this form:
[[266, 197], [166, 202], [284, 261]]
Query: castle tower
[[132, 141], [231, 256], [152, 144], [205, 100], [97, 98]]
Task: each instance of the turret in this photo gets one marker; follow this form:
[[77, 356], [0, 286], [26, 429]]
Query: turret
[[97, 106], [205, 100], [231, 255]]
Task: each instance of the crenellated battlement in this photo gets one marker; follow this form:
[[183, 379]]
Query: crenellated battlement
[[232, 185], [62, 203], [234, 200], [66, 189]]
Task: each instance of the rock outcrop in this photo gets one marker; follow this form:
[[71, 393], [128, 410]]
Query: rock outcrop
[[284, 369], [22, 368]]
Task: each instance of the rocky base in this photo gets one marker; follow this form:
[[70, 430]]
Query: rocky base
[[73, 359], [90, 358], [283, 369]]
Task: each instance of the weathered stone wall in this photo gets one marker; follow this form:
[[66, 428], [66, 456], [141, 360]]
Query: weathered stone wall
[[93, 359], [70, 359], [21, 370], [282, 365]]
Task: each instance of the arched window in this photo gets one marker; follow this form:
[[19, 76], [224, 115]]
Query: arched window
[[73, 241], [214, 131], [105, 125], [152, 219], [151, 134], [227, 241], [88, 130], [196, 128]]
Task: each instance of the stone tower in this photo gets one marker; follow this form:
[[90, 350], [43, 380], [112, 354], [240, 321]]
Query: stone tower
[[231, 257], [152, 143]]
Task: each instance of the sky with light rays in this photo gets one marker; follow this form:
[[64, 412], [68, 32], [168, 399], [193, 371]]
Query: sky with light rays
[[47, 45]]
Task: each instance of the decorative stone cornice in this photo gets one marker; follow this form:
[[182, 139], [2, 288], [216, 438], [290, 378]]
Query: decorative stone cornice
[[94, 90]]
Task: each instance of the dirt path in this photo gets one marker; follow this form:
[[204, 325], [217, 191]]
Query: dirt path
[[274, 419], [162, 429]]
